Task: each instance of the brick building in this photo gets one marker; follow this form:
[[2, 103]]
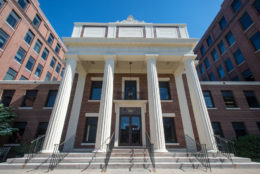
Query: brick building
[[229, 49], [30, 49]]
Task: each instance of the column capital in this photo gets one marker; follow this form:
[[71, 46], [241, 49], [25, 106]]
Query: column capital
[[151, 56]]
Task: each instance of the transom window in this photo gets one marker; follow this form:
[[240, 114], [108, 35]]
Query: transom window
[[222, 23], [255, 40], [164, 91], [62, 72], [229, 65], [229, 99], [29, 37], [251, 99], [230, 38], [11, 74], [29, 98], [246, 21], [51, 98], [12, 19], [20, 55], [90, 130], [208, 99], [37, 21], [96, 89], [37, 46], [3, 38], [30, 63], [239, 57], [7, 97], [23, 3], [169, 130], [236, 4]]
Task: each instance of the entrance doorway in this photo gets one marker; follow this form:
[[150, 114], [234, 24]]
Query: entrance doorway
[[130, 131]]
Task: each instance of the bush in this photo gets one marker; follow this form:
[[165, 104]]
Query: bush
[[248, 146]]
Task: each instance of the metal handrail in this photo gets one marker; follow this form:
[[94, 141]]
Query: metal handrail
[[110, 146], [35, 146], [225, 147], [201, 154], [150, 148]]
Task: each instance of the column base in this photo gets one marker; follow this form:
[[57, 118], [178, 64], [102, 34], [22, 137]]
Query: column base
[[99, 151], [160, 150], [46, 151]]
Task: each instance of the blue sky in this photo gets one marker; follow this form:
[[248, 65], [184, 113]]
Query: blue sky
[[197, 14]]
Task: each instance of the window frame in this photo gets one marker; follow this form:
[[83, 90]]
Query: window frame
[[39, 70], [4, 36], [252, 97], [221, 73], [209, 97], [174, 135], [221, 47], [229, 65], [52, 39], [32, 64], [37, 46], [28, 96], [13, 74], [15, 16], [234, 5], [45, 51], [228, 99], [38, 19], [257, 9], [253, 40], [19, 51], [53, 62], [7, 94], [26, 4], [168, 90], [239, 58], [27, 35], [2, 3], [230, 38], [91, 96], [243, 23], [50, 101], [222, 25], [86, 129]]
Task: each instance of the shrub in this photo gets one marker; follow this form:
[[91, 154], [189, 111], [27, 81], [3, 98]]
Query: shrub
[[248, 146]]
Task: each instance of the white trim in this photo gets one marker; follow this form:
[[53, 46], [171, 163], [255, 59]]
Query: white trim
[[22, 82], [87, 144], [96, 78], [172, 144], [168, 115], [229, 83], [164, 79], [137, 85], [166, 101], [91, 114], [232, 108], [93, 101], [25, 108]]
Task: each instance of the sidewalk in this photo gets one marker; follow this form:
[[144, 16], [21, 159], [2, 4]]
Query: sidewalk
[[134, 171]]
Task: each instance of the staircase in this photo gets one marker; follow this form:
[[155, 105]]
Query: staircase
[[126, 158]]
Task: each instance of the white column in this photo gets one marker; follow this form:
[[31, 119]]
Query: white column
[[185, 114], [155, 109], [59, 111], [75, 111], [200, 110], [105, 109]]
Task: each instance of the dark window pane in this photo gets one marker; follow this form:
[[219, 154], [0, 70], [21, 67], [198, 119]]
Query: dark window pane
[[23, 78], [239, 129], [230, 38], [96, 89], [23, 3], [91, 129], [29, 98], [57, 49], [2, 3], [30, 63], [246, 21], [50, 39], [12, 19], [221, 47], [236, 4], [54, 79], [222, 23], [10, 75], [169, 130], [58, 68], [164, 91], [37, 47], [45, 53], [42, 128], [48, 76], [257, 5], [53, 61], [20, 55], [7, 97], [202, 50], [217, 129], [16, 138], [258, 125], [255, 40], [209, 41], [29, 37], [202, 70], [229, 99], [130, 90], [38, 70], [3, 38], [206, 62], [214, 54], [251, 99], [221, 72], [61, 73], [37, 21], [211, 77], [229, 65], [51, 98], [239, 57], [236, 78], [248, 76], [208, 99]]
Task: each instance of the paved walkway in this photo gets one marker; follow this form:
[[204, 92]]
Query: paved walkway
[[136, 171]]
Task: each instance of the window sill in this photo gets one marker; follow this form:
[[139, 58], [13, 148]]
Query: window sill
[[232, 108], [232, 45], [93, 101], [212, 108], [25, 108], [28, 70], [87, 144], [10, 26], [1, 50], [172, 144], [26, 43], [248, 28], [241, 63], [47, 108], [254, 108], [256, 52], [166, 101], [36, 52], [17, 62]]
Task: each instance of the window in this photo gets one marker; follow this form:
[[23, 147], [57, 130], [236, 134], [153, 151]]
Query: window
[[2, 3], [23, 78], [12, 19], [230, 38], [239, 129], [37, 47], [29, 98], [251, 99], [236, 78], [48, 76], [23, 3], [205, 79], [7, 96], [239, 57], [255, 40], [236, 4], [229, 65], [51, 98], [50, 39], [29, 37], [36, 21], [90, 130], [62, 72], [38, 70], [54, 79], [10, 75], [214, 54], [58, 68], [209, 41], [202, 50], [164, 90], [257, 5], [208, 99], [169, 130], [222, 23], [217, 129], [221, 47], [57, 49], [53, 61], [248, 76], [3, 38], [20, 55], [202, 70], [42, 128], [229, 99], [206, 62], [16, 138], [45, 53], [96, 89], [211, 77], [258, 125], [246, 21], [30, 63], [130, 90], [221, 72]]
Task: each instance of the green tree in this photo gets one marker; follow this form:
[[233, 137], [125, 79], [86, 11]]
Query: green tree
[[7, 115]]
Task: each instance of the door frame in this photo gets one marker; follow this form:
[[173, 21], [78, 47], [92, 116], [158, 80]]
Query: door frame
[[130, 103]]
